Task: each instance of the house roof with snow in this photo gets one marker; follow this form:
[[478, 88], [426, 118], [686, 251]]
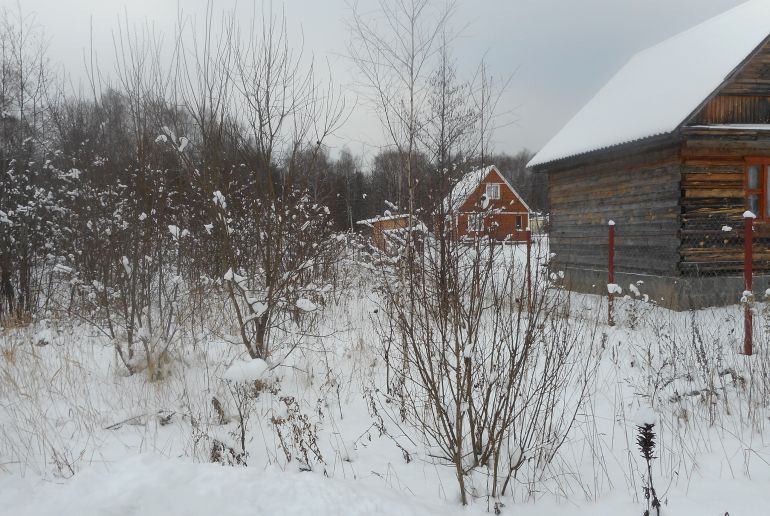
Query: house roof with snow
[[464, 187], [387, 216], [468, 184], [660, 88], [382, 218]]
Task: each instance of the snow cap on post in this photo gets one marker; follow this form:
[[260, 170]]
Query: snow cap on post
[[749, 215], [611, 223]]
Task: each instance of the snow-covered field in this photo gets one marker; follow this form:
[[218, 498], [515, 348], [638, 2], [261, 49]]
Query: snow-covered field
[[80, 436]]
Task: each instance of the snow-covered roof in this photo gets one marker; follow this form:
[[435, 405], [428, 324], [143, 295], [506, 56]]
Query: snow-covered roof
[[416, 223], [468, 183], [464, 187], [382, 218], [655, 92]]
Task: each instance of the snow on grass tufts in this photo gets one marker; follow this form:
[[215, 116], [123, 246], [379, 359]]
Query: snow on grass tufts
[[246, 371]]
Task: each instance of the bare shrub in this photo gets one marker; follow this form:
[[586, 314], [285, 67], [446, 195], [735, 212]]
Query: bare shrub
[[493, 388]]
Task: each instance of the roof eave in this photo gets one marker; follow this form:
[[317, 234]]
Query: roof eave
[[580, 158]]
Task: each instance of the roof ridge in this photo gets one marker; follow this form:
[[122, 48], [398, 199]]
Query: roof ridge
[[697, 26]]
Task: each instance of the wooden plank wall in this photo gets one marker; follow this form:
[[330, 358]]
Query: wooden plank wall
[[735, 109], [639, 192], [713, 197]]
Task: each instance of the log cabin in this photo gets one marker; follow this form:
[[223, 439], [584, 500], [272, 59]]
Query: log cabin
[[673, 149], [483, 203]]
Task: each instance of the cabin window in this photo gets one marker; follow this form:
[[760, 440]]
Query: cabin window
[[493, 191], [518, 222], [757, 193], [476, 222]]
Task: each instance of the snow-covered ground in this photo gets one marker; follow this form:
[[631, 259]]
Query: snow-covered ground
[[150, 485], [79, 436]]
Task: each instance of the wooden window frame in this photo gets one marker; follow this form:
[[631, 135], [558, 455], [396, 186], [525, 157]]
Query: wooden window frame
[[499, 191], [478, 227], [762, 191]]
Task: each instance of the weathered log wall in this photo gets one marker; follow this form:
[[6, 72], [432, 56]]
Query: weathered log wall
[[640, 192], [713, 168]]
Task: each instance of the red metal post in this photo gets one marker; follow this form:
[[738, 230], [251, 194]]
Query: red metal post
[[611, 273], [748, 266], [529, 270]]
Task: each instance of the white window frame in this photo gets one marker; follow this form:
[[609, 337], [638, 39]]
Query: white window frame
[[496, 188], [475, 222]]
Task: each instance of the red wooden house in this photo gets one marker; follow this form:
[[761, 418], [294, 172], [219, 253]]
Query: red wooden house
[[483, 202]]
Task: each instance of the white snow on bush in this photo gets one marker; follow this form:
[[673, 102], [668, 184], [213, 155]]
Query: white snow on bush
[[614, 288], [305, 304], [219, 200], [257, 305], [63, 269], [177, 233], [246, 371], [232, 276], [126, 265]]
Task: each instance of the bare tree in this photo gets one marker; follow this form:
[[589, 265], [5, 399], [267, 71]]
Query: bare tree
[[394, 50], [482, 378], [24, 88], [255, 91]]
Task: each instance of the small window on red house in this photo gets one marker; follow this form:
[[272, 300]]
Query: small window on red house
[[757, 193], [493, 191], [518, 222]]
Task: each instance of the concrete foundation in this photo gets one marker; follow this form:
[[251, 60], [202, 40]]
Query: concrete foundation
[[676, 293]]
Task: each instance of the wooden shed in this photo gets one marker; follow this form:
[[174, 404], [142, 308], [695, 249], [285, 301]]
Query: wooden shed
[[674, 148], [483, 202], [390, 230]]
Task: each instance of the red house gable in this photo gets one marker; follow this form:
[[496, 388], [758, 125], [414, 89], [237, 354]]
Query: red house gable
[[483, 202]]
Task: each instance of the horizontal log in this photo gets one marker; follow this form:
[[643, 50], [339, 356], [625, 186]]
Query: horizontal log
[[722, 193]]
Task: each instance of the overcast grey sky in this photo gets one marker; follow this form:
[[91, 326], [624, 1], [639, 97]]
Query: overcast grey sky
[[562, 51]]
